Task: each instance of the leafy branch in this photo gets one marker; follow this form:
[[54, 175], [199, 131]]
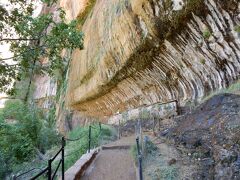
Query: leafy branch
[[33, 39]]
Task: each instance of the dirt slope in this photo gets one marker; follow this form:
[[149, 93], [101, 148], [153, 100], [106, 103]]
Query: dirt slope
[[211, 134]]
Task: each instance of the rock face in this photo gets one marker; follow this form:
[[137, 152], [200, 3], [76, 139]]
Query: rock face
[[139, 52], [211, 134], [73, 7], [45, 91]]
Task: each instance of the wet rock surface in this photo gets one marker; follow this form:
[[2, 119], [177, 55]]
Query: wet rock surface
[[211, 135]]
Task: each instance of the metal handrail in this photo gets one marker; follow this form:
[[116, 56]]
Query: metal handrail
[[26, 172], [55, 172], [89, 138], [48, 170], [76, 139], [39, 174], [59, 151], [139, 160]]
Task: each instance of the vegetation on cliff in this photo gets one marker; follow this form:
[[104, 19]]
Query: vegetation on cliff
[[34, 40]]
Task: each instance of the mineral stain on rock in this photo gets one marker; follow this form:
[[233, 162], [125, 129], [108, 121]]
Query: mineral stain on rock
[[142, 52]]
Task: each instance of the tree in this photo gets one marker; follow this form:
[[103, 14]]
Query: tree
[[25, 133], [32, 40]]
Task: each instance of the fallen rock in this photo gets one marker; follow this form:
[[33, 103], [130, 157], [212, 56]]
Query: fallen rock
[[172, 161]]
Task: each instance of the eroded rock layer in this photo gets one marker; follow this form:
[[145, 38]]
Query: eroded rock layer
[[139, 52]]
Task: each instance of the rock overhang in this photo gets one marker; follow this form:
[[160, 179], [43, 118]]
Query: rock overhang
[[136, 52]]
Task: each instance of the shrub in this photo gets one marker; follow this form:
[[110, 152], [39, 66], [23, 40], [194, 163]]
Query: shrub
[[145, 114], [166, 173], [150, 147], [75, 149], [3, 167], [237, 28], [206, 34], [23, 130], [202, 61]]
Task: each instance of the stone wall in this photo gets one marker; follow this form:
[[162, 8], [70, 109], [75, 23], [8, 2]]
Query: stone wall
[[139, 52]]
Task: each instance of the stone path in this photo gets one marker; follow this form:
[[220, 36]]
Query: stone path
[[113, 163]]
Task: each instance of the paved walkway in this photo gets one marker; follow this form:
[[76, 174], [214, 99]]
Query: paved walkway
[[113, 164]]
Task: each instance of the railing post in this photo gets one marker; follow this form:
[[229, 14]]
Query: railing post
[[100, 126], [139, 160], [89, 139], [50, 169], [63, 144], [119, 129], [177, 108], [141, 135]]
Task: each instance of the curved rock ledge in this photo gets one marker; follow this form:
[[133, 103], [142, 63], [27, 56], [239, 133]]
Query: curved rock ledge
[[139, 52]]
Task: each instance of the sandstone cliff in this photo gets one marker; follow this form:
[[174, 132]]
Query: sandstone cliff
[[49, 92], [139, 52]]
